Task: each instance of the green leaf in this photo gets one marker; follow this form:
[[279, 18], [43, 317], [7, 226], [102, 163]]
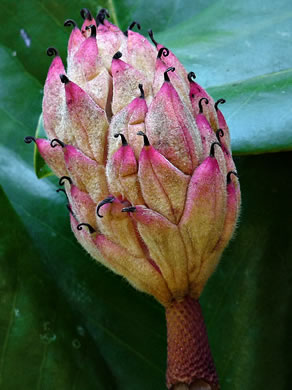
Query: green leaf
[[42, 337], [41, 168], [259, 113], [53, 294]]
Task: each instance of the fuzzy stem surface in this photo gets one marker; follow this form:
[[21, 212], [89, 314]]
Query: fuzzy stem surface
[[189, 360]]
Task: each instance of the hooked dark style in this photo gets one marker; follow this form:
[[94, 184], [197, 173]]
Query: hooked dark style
[[62, 190], [29, 139], [52, 51], [201, 105], [103, 13], [63, 179], [132, 25], [142, 96], [55, 142], [146, 140], [219, 134], [219, 101], [191, 77], [86, 14], [228, 177], [151, 35], [163, 51], [110, 199], [90, 228], [123, 138], [170, 69], [212, 148], [70, 22]]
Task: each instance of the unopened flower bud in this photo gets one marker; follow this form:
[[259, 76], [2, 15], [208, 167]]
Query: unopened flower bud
[[143, 154]]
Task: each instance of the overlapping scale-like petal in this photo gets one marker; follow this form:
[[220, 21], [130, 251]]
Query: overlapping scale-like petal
[[86, 62], [166, 248], [202, 222], [126, 80], [118, 227], [172, 130], [141, 54], [122, 174], [54, 157], [179, 84], [129, 121], [75, 40], [88, 120], [83, 207], [110, 40], [138, 271], [196, 93], [54, 96], [163, 186], [86, 173]]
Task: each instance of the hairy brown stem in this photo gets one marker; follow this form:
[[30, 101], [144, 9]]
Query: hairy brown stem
[[189, 361]]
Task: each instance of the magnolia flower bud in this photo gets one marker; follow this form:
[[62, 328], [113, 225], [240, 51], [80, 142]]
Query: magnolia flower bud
[[143, 153]]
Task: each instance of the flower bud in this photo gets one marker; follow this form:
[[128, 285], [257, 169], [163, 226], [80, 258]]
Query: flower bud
[[144, 155]]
